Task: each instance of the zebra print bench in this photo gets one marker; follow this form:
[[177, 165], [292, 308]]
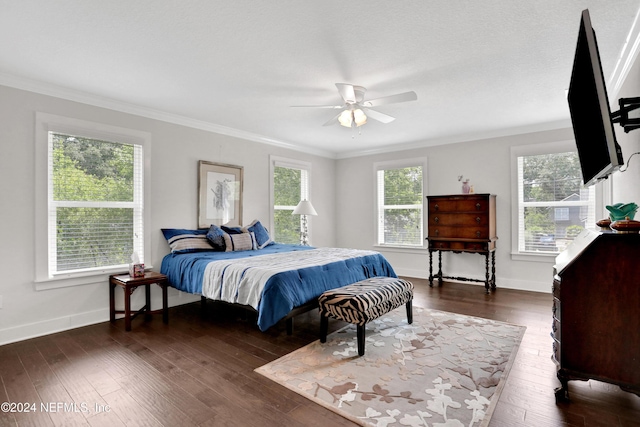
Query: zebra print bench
[[362, 302]]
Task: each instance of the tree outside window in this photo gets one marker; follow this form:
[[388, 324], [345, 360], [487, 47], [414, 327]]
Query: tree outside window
[[400, 205], [95, 203], [553, 205]]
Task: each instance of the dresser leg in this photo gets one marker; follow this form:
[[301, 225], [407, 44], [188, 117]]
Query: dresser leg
[[430, 268], [486, 272], [439, 268], [562, 392], [493, 270]]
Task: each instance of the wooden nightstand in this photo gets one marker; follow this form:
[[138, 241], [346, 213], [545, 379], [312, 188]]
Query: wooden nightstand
[[130, 284]]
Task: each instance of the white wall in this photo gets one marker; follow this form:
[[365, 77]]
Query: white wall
[[342, 193], [175, 151], [625, 184], [487, 164]]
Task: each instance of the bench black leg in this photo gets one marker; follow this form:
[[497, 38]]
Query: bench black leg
[[409, 312], [361, 340], [324, 328]]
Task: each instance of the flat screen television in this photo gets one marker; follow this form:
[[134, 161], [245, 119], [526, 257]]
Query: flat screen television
[[598, 150]]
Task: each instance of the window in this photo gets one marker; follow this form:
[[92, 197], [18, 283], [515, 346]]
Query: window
[[290, 180], [400, 213], [92, 208], [553, 207]]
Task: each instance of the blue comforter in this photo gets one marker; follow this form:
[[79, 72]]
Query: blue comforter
[[285, 290]]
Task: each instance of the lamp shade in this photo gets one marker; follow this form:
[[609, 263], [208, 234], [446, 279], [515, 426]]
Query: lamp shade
[[304, 208]]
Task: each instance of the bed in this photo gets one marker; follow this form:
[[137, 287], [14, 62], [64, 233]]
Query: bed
[[277, 280]]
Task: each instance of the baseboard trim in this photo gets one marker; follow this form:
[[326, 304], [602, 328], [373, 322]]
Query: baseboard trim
[[501, 282], [52, 326]]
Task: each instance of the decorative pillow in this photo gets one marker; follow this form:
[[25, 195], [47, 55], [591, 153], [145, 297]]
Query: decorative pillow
[[240, 242], [215, 235], [262, 234], [182, 241], [231, 230]]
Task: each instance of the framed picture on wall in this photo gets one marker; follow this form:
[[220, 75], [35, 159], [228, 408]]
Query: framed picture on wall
[[219, 194]]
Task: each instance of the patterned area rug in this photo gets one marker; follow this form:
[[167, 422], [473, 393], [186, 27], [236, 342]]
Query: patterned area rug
[[444, 370]]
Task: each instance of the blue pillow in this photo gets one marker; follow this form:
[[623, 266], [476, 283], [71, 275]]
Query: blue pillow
[[215, 235], [231, 230], [262, 234], [182, 240]]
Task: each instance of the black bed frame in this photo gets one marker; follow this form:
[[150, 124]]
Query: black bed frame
[[313, 304]]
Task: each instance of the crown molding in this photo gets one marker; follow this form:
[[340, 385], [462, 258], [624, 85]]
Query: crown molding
[[150, 113], [498, 133]]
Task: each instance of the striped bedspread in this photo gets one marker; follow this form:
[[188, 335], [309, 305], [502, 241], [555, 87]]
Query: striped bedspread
[[242, 281], [273, 280]]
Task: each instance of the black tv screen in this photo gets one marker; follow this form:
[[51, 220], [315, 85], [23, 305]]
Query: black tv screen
[[598, 150]]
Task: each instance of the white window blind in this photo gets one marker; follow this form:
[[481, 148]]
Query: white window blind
[[553, 206], [95, 203], [290, 185], [400, 205]]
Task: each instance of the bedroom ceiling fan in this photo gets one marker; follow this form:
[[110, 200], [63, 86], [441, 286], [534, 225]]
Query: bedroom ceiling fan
[[356, 111]]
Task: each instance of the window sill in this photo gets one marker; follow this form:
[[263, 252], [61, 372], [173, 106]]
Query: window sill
[[79, 279], [402, 249], [534, 257]]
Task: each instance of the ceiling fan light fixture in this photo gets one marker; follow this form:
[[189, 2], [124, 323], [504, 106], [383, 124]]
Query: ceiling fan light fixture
[[359, 117], [346, 118]]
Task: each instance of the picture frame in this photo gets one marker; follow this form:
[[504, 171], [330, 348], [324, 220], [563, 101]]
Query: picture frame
[[219, 194]]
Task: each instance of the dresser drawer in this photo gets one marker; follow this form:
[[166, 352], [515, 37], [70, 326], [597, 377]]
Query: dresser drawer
[[459, 205], [555, 288], [556, 309], [557, 353], [480, 219], [459, 232], [439, 245], [556, 330], [479, 246]]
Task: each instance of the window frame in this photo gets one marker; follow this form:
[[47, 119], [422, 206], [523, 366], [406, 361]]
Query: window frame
[[555, 147], [399, 164], [46, 123], [305, 193]]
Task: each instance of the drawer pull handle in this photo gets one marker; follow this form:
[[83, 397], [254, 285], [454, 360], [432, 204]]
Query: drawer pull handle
[[478, 206], [436, 207], [478, 234], [436, 219], [437, 232], [478, 219]]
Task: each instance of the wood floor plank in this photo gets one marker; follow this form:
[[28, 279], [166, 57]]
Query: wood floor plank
[[200, 370]]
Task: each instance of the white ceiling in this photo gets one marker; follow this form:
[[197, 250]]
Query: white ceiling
[[479, 68]]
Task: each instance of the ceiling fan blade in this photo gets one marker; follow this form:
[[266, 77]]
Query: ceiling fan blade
[[376, 115], [391, 99], [347, 92], [333, 120]]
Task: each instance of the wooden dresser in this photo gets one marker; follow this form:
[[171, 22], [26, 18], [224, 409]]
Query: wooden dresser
[[596, 311], [463, 223]]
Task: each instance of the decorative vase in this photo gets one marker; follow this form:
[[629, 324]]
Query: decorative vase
[[466, 187]]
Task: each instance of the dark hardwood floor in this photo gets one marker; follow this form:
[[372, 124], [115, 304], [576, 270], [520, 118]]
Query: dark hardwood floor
[[199, 371]]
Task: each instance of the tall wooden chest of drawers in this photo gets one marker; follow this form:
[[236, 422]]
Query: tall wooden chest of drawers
[[462, 223], [596, 311]]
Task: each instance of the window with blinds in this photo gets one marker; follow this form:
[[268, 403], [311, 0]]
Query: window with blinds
[[400, 205], [290, 185], [553, 206], [95, 203]]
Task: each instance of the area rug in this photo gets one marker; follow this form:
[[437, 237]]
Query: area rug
[[443, 370]]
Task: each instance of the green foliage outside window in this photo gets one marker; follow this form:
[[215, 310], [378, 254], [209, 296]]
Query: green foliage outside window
[[403, 206], [287, 183], [87, 171], [549, 178]]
